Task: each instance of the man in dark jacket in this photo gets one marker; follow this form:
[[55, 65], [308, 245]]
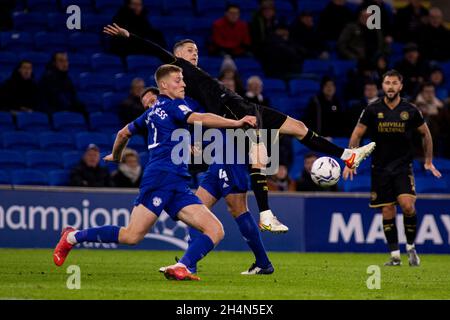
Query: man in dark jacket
[[89, 173]]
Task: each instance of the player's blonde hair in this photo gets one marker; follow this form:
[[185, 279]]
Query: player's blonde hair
[[165, 70]]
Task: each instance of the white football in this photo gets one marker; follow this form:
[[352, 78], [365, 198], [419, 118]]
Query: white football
[[325, 172]]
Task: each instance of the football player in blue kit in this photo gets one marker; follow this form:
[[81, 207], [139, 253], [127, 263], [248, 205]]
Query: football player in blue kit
[[165, 182]]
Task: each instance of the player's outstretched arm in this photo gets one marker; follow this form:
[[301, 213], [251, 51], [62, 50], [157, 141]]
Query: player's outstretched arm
[[119, 145], [146, 45], [427, 142], [211, 120], [355, 139]]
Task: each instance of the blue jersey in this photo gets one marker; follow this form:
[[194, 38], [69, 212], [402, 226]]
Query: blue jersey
[[161, 120]]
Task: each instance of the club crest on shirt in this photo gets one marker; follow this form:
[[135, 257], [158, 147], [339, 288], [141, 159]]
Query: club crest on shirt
[[157, 201], [404, 115], [380, 115], [373, 196]]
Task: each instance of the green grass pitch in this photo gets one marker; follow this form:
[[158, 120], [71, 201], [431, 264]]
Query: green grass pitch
[[121, 274]]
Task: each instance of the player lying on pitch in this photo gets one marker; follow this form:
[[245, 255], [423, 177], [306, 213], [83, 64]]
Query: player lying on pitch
[[216, 98], [164, 184]]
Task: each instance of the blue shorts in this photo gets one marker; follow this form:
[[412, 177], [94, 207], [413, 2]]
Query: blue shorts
[[221, 180], [171, 194]]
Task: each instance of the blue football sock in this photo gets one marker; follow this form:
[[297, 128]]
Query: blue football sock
[[105, 234], [250, 231], [193, 234], [198, 248]]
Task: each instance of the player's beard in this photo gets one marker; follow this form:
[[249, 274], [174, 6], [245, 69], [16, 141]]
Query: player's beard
[[390, 99]]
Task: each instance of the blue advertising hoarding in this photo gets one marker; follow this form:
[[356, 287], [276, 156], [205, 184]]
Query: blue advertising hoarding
[[322, 222]]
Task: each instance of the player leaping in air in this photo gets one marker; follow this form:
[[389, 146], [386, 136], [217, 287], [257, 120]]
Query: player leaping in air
[[216, 98], [164, 184]]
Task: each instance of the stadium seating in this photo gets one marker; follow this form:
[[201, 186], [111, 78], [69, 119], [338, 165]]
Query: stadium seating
[[29, 21], [108, 6], [84, 42], [44, 160], [274, 86], [20, 140], [359, 184], [69, 121], [50, 41], [214, 8], [83, 139], [58, 177], [8, 59], [4, 177], [111, 101], [317, 66], [71, 159], [106, 63], [104, 122], [303, 87], [122, 81], [430, 184], [29, 177], [17, 41], [93, 101], [6, 122], [56, 141], [93, 82], [10, 160], [85, 5], [177, 7], [33, 121], [142, 64], [42, 5]]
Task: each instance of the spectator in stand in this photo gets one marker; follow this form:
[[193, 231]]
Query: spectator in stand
[[129, 173], [381, 67], [434, 37], [359, 42], [434, 112], [324, 113], [304, 34], [364, 72], [305, 182], [230, 35], [131, 108], [255, 90], [262, 25], [231, 79], [370, 95], [6, 10], [413, 68], [20, 92], [57, 89], [334, 18], [89, 173], [437, 79], [133, 16], [409, 20], [281, 58], [281, 180]]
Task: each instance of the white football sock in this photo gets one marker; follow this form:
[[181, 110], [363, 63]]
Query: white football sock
[[395, 254], [410, 247], [71, 237], [266, 214]]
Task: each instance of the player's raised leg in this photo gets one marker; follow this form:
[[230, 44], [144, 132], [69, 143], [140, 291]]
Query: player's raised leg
[[407, 203], [390, 231], [142, 219], [201, 218], [351, 157]]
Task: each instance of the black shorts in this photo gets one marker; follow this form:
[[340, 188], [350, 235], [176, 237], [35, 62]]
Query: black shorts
[[387, 186], [268, 118]]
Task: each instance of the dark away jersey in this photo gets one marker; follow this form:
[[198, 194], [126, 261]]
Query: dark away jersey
[[161, 120], [392, 130]]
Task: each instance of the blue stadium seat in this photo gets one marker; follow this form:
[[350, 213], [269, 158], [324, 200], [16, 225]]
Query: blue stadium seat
[[4, 177], [122, 81], [42, 5], [29, 177], [10, 160], [311, 5], [44, 160], [8, 59], [108, 6], [95, 22], [59, 177], [285, 10], [37, 58], [170, 25], [104, 122], [6, 122], [200, 26], [429, 184], [177, 7], [106, 63], [137, 143], [342, 142], [69, 121], [32, 121], [111, 101], [56, 141], [154, 7], [342, 67], [360, 183], [212, 8], [85, 5], [55, 20], [30, 22], [248, 65], [92, 101], [83, 139], [17, 41], [50, 41], [274, 86], [80, 61], [91, 82], [303, 87], [18, 140], [143, 64], [71, 159], [248, 6], [211, 65], [317, 66], [442, 164], [85, 42]]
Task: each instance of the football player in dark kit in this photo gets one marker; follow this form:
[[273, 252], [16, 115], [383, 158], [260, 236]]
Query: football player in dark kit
[[216, 98], [391, 122]]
